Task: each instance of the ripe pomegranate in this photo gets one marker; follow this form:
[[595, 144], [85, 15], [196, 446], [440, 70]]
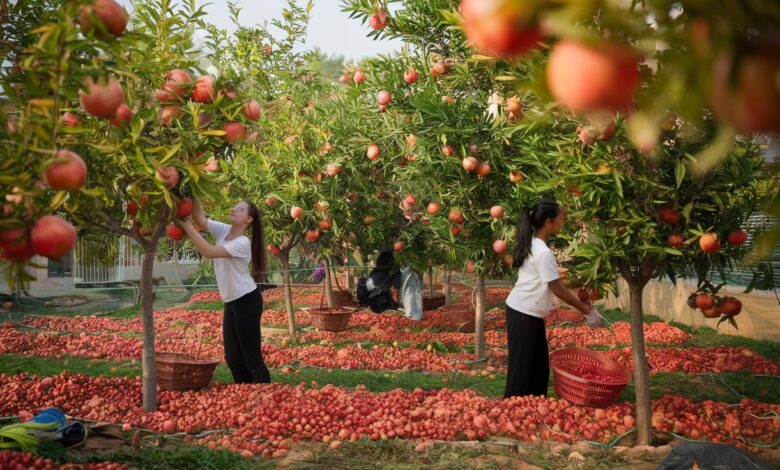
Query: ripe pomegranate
[[398, 246], [326, 224], [132, 208], [455, 216], [584, 77], [52, 237], [737, 237], [411, 76], [169, 427], [372, 152], [676, 240], [497, 212], [122, 117], [514, 107], [669, 215], [359, 77], [378, 20], [447, 150], [748, 99], [704, 301], [344, 79], [712, 312], [433, 208], [409, 201], [270, 200], [108, 12], [333, 169], [67, 172], [456, 229], [274, 250], [383, 98], [439, 68], [251, 110], [69, 119], [184, 208], [234, 131], [498, 27], [231, 94], [312, 235], [212, 165], [470, 164], [203, 90], [296, 212], [730, 306], [515, 176], [368, 220], [168, 114], [499, 246], [175, 87], [574, 191], [101, 98], [174, 232], [169, 175], [15, 244], [709, 243], [483, 169]]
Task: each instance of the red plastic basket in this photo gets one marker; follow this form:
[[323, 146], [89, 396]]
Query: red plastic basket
[[599, 391]]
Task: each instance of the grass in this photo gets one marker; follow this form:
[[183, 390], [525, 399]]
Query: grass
[[218, 305], [401, 454]]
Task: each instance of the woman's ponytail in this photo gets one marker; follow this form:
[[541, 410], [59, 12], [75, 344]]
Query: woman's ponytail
[[532, 219], [258, 245]]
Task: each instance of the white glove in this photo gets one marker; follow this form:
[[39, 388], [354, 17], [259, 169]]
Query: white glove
[[594, 318]]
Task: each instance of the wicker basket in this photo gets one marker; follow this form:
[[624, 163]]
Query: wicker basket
[[460, 317], [330, 318], [434, 302], [183, 371], [587, 392], [342, 298]]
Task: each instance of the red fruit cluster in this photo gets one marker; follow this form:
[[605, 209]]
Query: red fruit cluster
[[269, 418], [11, 459]]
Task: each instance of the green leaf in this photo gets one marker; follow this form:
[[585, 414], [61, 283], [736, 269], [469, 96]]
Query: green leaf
[[58, 199], [171, 153], [679, 173]]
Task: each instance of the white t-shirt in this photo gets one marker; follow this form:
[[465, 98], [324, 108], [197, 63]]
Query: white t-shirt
[[233, 278], [531, 294]]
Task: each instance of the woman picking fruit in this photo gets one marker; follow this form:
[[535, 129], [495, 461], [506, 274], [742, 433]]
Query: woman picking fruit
[[531, 300], [232, 253]]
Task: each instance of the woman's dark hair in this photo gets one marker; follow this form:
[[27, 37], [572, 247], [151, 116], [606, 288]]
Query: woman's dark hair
[[532, 219], [258, 244]]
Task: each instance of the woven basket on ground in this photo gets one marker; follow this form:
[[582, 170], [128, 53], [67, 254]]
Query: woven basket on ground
[[459, 317], [330, 318], [434, 302], [607, 377], [184, 371]]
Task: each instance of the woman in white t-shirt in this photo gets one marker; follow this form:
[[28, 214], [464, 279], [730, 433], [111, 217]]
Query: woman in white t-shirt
[[531, 300], [233, 252]]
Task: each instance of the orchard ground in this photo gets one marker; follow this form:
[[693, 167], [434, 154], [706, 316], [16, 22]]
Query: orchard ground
[[698, 379]]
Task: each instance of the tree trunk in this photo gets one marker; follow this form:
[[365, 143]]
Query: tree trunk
[[431, 285], [284, 259], [347, 278], [447, 286], [644, 424], [328, 284], [479, 319], [147, 320]]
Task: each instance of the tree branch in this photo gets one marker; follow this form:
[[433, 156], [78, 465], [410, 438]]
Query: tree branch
[[113, 226]]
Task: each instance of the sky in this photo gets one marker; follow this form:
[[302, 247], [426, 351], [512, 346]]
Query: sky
[[331, 30]]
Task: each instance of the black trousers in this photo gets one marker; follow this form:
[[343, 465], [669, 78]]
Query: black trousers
[[241, 337], [528, 372]]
